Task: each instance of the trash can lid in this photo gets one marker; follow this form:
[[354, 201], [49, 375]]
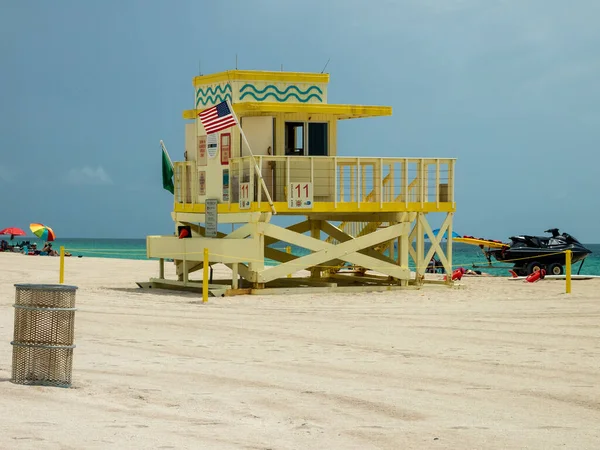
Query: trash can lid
[[47, 287]]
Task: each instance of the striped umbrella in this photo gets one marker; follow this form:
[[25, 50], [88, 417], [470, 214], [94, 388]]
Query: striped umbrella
[[44, 232]]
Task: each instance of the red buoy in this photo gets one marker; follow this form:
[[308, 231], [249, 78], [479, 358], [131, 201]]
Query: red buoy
[[536, 276], [183, 234], [457, 274]]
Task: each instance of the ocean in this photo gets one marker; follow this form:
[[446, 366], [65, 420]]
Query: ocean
[[463, 255]]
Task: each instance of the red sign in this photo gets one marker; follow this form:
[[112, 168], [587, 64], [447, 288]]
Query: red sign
[[225, 148], [201, 150]]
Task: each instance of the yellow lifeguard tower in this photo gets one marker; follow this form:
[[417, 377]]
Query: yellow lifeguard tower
[[353, 212]]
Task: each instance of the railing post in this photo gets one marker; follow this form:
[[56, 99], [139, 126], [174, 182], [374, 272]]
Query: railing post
[[451, 181], [422, 181], [240, 168], [230, 172], [184, 185], [287, 181], [437, 183], [405, 182], [335, 188], [381, 183], [260, 166], [392, 185], [251, 176], [363, 194], [358, 181], [352, 183]]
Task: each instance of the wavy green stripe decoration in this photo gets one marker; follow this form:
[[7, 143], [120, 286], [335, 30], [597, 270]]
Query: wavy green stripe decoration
[[278, 98], [213, 99], [211, 91], [276, 89], [280, 95], [213, 95]]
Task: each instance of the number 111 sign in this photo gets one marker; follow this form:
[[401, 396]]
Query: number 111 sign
[[300, 195]]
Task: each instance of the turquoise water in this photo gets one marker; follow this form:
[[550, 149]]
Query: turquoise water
[[463, 254], [100, 248], [468, 255]]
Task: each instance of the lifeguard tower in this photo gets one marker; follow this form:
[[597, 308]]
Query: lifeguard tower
[[359, 219]]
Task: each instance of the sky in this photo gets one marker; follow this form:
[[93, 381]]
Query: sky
[[509, 88]]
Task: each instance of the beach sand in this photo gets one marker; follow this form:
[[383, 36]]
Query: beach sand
[[491, 364]]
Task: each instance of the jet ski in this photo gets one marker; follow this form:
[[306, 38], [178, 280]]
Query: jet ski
[[531, 253]]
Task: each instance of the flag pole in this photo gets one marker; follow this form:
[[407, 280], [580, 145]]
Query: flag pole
[[258, 171], [162, 144]]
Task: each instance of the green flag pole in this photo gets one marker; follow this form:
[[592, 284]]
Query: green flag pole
[[167, 170]]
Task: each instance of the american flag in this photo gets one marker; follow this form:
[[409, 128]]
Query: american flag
[[217, 118]]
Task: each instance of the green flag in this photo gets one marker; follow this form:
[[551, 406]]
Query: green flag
[[167, 172]]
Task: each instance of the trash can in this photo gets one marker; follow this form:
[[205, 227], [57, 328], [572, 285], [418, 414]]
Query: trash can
[[43, 335]]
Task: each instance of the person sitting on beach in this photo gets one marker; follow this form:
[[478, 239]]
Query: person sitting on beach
[[433, 265], [48, 249], [3, 245]]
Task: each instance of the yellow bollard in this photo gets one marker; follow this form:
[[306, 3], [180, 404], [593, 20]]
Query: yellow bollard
[[61, 274], [288, 250], [205, 277], [568, 270]]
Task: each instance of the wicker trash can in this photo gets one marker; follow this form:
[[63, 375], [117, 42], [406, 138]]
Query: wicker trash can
[[43, 335]]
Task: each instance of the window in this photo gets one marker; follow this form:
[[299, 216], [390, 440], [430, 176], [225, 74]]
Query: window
[[317, 139], [294, 138], [299, 134]]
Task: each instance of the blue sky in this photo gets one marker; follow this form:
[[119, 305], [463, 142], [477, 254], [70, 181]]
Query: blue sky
[[510, 88]]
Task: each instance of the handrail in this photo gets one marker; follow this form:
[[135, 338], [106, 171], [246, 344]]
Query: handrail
[[339, 180]]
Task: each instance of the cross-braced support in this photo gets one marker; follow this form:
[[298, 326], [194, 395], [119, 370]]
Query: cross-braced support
[[421, 231], [244, 249]]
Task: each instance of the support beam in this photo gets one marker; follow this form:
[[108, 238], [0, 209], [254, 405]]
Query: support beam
[[411, 238], [420, 248], [315, 233], [435, 242], [243, 271], [403, 250], [278, 255], [234, 276], [300, 227], [347, 251], [335, 233], [449, 248], [258, 263]]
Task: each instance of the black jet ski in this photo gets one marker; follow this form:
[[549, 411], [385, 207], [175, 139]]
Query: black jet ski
[[531, 253]]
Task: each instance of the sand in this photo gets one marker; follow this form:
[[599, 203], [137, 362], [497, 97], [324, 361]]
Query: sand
[[490, 365]]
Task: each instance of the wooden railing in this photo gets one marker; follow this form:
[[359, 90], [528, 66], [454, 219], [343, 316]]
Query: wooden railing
[[338, 180]]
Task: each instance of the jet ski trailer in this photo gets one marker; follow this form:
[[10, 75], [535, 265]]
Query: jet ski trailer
[[531, 253]]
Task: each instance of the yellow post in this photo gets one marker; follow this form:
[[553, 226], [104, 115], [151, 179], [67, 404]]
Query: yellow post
[[288, 250], [61, 275], [568, 270], [205, 277]]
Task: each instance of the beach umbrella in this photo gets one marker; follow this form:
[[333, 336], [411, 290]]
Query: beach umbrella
[[454, 234], [44, 232], [13, 231]]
